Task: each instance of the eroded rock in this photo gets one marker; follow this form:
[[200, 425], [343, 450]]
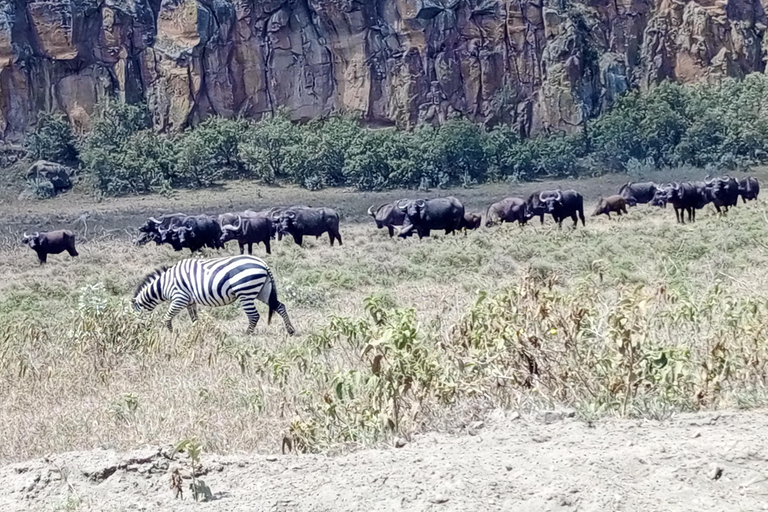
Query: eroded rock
[[539, 66]]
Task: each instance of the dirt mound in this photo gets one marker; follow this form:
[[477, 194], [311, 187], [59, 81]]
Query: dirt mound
[[712, 461]]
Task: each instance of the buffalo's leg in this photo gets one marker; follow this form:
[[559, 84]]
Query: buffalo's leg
[[43, 257], [338, 237], [192, 310], [541, 218], [298, 239], [242, 247], [266, 244], [73, 252], [391, 232]]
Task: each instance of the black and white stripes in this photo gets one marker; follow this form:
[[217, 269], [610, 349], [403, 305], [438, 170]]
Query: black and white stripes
[[214, 282]]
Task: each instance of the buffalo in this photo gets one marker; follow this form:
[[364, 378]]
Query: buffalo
[[389, 215], [634, 193], [301, 220], [510, 209], [749, 188], [536, 205], [151, 229], [194, 233], [471, 221], [661, 194], [227, 219], [424, 215], [248, 230], [687, 197], [724, 192], [606, 205], [562, 204], [52, 242]]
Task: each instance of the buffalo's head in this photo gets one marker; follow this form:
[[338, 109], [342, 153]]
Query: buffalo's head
[[552, 202], [150, 226], [185, 234], [33, 241], [231, 232], [674, 192], [287, 221], [413, 209]]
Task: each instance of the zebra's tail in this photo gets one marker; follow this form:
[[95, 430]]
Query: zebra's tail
[[273, 302]]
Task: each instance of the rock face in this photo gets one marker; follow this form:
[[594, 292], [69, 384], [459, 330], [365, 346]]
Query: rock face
[[537, 65]]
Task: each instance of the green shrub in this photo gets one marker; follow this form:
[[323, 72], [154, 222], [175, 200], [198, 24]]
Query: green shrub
[[52, 139], [211, 151], [266, 144]]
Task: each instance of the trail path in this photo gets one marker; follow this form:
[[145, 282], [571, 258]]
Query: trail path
[[538, 463]]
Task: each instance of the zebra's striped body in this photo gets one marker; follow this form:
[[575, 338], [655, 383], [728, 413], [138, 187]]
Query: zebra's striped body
[[214, 282]]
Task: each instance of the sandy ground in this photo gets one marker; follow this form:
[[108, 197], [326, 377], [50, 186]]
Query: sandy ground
[[550, 461]]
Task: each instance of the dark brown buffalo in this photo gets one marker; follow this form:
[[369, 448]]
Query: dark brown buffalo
[[510, 209], [606, 205], [389, 215], [250, 229], [194, 232], [300, 221], [723, 192], [425, 215], [471, 221], [152, 228], [52, 242], [228, 219], [749, 188], [634, 193]]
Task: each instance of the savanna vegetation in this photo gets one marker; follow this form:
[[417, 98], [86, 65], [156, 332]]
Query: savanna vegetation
[[722, 127], [632, 317]]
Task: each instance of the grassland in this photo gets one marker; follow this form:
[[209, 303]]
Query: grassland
[[636, 316]]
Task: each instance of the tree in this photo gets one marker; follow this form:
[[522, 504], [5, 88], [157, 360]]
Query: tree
[[52, 139]]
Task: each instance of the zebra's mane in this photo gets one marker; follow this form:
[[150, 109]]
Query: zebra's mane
[[149, 278]]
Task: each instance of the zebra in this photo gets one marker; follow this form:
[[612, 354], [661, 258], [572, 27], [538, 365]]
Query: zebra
[[212, 282]]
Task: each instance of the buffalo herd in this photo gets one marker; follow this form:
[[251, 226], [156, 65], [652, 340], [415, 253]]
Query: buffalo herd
[[408, 216], [194, 232]]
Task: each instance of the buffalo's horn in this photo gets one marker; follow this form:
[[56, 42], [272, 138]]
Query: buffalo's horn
[[239, 223], [559, 196], [154, 220], [290, 214], [370, 211], [37, 234], [402, 204], [421, 203], [541, 197], [26, 235]]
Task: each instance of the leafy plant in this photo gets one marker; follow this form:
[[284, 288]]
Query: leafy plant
[[194, 449], [52, 139]]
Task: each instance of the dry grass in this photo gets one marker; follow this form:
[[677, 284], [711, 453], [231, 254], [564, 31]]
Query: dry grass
[[78, 370]]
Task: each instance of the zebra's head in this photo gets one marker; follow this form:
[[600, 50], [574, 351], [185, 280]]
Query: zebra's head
[[149, 293]]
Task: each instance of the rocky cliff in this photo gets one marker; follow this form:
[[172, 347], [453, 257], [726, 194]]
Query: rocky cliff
[[539, 64]]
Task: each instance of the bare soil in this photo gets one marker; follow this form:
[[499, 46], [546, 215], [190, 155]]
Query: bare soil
[[548, 461]]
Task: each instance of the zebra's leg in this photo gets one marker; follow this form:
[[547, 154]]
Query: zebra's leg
[[178, 302], [192, 310], [250, 311], [283, 313]]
